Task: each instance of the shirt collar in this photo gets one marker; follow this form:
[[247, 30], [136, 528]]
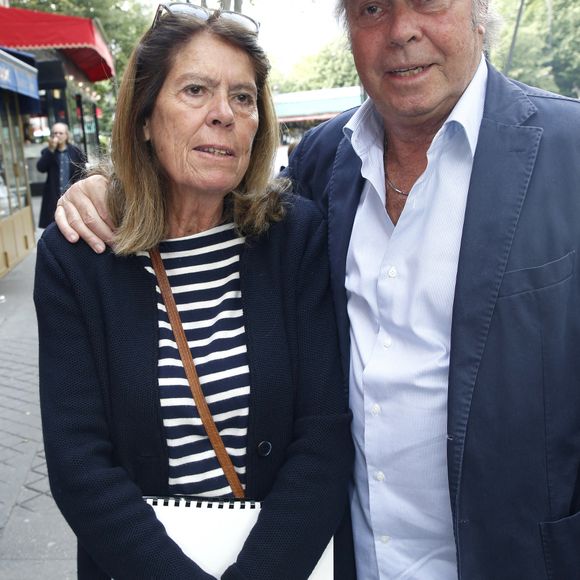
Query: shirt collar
[[468, 111], [365, 127]]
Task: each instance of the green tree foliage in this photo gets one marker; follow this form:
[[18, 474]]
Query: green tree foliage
[[546, 50], [565, 46], [332, 67]]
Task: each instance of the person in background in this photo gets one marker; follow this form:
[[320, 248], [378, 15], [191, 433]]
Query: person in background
[[64, 164], [453, 202], [193, 145]]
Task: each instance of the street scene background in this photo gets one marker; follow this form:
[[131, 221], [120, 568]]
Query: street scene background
[[308, 50], [35, 541]]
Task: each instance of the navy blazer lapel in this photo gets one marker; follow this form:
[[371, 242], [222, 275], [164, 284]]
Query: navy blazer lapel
[[343, 191], [504, 161]]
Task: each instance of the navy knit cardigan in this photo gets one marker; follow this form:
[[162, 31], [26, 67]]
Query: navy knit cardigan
[[103, 434]]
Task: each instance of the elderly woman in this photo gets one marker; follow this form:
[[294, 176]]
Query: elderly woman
[[193, 146]]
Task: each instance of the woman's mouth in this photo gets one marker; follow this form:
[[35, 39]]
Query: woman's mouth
[[219, 151]]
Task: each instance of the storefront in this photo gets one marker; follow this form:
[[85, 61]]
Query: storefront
[[71, 54], [18, 96]]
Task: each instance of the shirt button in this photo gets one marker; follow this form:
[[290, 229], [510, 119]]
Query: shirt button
[[375, 409], [392, 273], [387, 342], [385, 539], [380, 476]]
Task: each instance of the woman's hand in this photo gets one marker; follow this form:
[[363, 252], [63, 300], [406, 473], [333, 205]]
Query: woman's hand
[[81, 212]]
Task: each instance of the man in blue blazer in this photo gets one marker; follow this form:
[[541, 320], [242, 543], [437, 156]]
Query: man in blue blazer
[[512, 374], [453, 204]]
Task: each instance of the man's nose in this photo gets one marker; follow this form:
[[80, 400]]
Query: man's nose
[[403, 24]]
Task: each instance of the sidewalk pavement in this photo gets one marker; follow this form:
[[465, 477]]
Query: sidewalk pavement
[[35, 541]]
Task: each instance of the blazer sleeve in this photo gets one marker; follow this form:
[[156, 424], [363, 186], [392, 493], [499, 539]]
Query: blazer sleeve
[[309, 496], [79, 165], [100, 502], [47, 158]]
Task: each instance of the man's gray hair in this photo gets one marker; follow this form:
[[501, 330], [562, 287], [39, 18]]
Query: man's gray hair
[[482, 13]]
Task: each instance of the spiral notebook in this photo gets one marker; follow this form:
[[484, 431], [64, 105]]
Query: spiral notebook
[[212, 532]]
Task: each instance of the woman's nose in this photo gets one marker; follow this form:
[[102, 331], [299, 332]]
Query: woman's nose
[[221, 112]]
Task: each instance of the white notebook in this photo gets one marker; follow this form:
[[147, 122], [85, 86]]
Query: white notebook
[[212, 532]]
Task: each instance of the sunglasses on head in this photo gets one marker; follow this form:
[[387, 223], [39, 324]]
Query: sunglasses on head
[[204, 14]]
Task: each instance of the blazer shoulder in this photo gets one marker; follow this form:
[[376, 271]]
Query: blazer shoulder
[[330, 132], [550, 105], [311, 163]]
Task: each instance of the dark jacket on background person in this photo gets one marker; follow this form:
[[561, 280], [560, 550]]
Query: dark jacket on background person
[[103, 434], [514, 378], [48, 163]]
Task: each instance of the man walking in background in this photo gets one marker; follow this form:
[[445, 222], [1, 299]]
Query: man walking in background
[[63, 163]]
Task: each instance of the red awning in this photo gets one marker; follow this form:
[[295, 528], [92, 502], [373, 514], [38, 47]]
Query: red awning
[[78, 38]]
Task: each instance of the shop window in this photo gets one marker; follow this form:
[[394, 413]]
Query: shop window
[[13, 178]]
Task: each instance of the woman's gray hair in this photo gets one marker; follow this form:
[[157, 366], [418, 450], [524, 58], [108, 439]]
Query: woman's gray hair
[[482, 14]]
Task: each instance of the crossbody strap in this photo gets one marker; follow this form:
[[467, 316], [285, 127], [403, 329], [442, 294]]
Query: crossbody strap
[[189, 367]]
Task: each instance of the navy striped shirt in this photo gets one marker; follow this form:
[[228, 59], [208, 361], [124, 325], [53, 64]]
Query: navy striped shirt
[[204, 274]]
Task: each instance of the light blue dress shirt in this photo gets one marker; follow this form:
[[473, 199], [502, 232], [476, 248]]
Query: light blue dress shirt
[[400, 284]]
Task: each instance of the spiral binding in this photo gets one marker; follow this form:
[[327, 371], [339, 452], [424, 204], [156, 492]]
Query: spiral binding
[[198, 503]]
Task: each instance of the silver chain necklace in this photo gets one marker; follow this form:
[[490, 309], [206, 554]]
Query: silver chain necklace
[[393, 186], [389, 182]]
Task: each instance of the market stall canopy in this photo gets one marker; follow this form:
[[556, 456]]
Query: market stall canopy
[[20, 78], [17, 76], [316, 105], [80, 39]]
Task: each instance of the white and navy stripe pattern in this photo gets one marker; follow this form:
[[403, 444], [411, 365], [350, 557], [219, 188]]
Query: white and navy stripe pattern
[[204, 274]]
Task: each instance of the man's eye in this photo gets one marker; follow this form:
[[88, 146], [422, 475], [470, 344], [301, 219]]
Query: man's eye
[[370, 12]]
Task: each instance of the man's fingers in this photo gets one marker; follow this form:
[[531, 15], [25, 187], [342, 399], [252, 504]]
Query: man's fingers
[[82, 213], [94, 197], [62, 223], [72, 224]]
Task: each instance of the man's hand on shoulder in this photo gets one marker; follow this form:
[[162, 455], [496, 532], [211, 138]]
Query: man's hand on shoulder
[[82, 212]]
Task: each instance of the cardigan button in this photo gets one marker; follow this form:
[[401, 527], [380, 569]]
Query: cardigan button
[[264, 448]]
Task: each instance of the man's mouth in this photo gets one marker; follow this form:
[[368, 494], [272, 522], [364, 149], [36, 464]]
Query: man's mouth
[[408, 72], [216, 151]]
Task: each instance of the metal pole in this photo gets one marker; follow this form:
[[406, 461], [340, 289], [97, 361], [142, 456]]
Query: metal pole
[[508, 63]]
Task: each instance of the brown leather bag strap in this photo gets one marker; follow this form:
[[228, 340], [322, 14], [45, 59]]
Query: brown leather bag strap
[[189, 367]]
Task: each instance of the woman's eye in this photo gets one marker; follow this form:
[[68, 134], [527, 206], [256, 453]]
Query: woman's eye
[[245, 99], [194, 90]]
